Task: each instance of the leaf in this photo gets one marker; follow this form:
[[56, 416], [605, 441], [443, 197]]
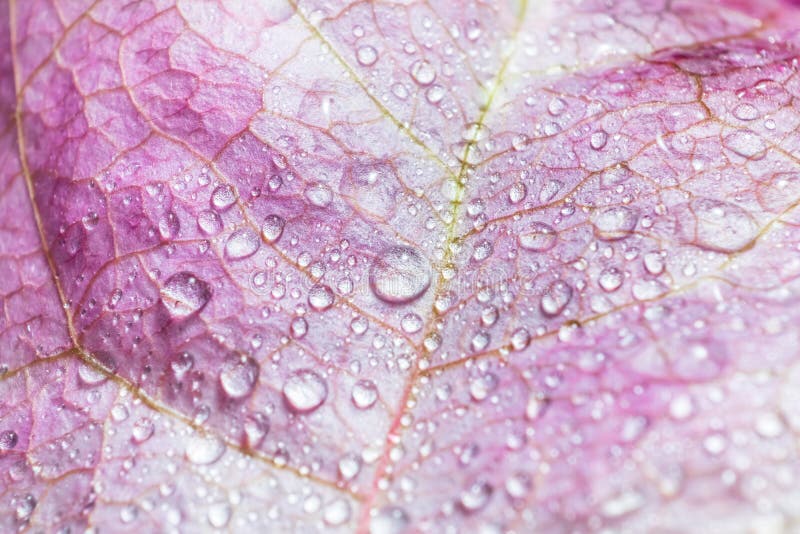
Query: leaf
[[399, 267]]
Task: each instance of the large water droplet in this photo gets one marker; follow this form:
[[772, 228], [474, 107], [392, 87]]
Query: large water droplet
[[219, 514], [555, 298], [721, 226], [209, 222], [364, 394], [423, 72], [517, 193], [319, 194], [366, 55], [336, 512], [610, 279], [539, 237], [305, 391], [598, 139], [389, 520], [204, 450], [320, 297], [614, 223], [746, 112], [520, 339], [411, 323], [238, 376], [184, 294], [399, 275], [272, 228], [142, 430], [223, 197], [242, 243]]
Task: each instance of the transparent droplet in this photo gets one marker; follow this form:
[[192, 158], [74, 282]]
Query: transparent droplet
[[305, 391], [359, 325], [654, 263], [8, 440], [598, 139], [238, 376], [615, 222], [299, 327], [24, 506], [476, 496], [209, 222], [482, 250], [721, 226], [349, 466], [272, 228], [319, 195], [256, 427], [746, 112], [219, 514], [518, 485], [556, 106], [483, 386], [399, 275], [169, 226], [364, 394], [555, 298], [480, 341], [184, 294], [223, 197], [610, 279], [411, 323], [142, 430], [320, 297], [389, 520], [539, 237], [517, 193], [423, 72], [204, 450], [435, 93], [241, 244], [520, 339], [336, 512], [366, 55]]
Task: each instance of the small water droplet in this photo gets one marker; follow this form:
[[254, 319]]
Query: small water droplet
[[517, 193], [223, 197], [204, 450], [476, 496], [598, 139], [389, 520], [411, 323], [142, 430], [555, 298], [305, 391], [256, 427], [556, 106], [364, 394], [654, 263], [272, 228], [320, 297], [219, 514], [539, 237], [423, 72], [366, 55], [349, 466], [8, 440], [520, 339], [319, 195], [209, 222], [242, 243], [745, 112], [610, 279], [184, 294], [238, 376], [399, 275], [336, 512], [480, 341], [720, 226], [615, 222], [24, 506], [299, 327]]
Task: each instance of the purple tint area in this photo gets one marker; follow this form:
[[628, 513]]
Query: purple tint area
[[399, 267]]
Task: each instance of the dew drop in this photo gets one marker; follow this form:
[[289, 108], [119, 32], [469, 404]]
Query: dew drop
[[654, 263], [24, 506], [555, 298], [184, 294], [520, 339], [349, 466], [366, 55], [517, 193], [411, 323], [614, 223], [169, 226], [238, 376], [539, 237], [556, 106], [256, 427], [204, 450], [745, 143], [299, 327], [219, 514], [722, 226], [399, 275], [305, 391], [435, 94], [610, 279], [389, 520], [480, 341], [336, 512], [423, 72], [518, 485], [209, 222], [483, 386], [272, 228], [8, 440], [598, 140], [364, 394], [320, 297], [359, 325], [241, 244], [319, 195], [223, 197], [476, 496], [142, 430], [745, 112]]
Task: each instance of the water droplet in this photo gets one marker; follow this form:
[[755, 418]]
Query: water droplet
[[423, 72], [539, 237], [8, 440], [223, 197], [482, 250], [184, 294], [256, 427], [299, 327], [399, 275], [320, 297], [204, 450], [359, 325], [517, 193], [238, 376], [769, 425], [622, 504], [272, 228], [610, 279], [209, 222], [745, 143], [520, 339], [305, 391], [555, 298], [319, 195], [598, 139], [367, 55], [476, 496], [142, 430], [169, 226], [349, 466], [745, 112], [219, 514], [24, 506], [336, 512], [364, 394], [481, 387], [411, 323], [242, 243], [654, 263], [614, 223], [435, 94], [181, 365], [556, 106], [721, 226], [389, 520], [480, 341]]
